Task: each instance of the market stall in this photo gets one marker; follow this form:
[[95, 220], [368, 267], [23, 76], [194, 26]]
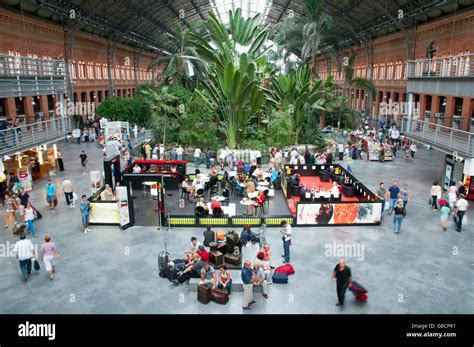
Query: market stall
[[374, 150]]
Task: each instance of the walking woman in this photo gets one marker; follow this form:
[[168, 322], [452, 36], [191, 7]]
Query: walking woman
[[399, 214], [10, 208], [48, 253], [435, 194], [405, 194], [29, 215], [445, 212]]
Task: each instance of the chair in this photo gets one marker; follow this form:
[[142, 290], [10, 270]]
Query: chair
[[214, 191], [348, 191], [200, 211], [325, 176], [217, 212], [200, 193], [261, 207], [266, 201], [226, 195]]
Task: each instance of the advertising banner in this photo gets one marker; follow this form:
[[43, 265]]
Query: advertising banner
[[123, 206], [327, 213], [104, 213], [117, 131], [26, 180], [95, 181]]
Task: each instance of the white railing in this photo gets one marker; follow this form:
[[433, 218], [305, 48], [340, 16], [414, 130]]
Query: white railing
[[27, 136], [449, 139], [13, 66], [461, 65]]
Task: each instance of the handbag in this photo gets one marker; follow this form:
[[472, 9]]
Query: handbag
[[36, 265], [37, 213], [430, 201]]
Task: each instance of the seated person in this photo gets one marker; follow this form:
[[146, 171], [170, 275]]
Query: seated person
[[209, 236], [186, 188], [267, 253], [194, 246], [264, 265], [215, 204], [249, 188], [259, 279], [258, 202], [203, 254], [247, 234], [193, 271], [136, 169], [208, 275], [224, 280], [295, 180], [257, 172], [202, 204], [335, 190], [198, 183], [303, 192]]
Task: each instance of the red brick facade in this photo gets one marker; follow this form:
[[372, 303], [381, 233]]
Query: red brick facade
[[453, 35], [33, 37]]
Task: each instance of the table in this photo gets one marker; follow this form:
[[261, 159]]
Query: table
[[263, 183], [218, 198], [262, 189], [252, 194], [150, 183], [246, 202], [326, 195], [228, 210]]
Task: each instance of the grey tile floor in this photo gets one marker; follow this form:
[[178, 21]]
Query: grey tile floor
[[422, 270]]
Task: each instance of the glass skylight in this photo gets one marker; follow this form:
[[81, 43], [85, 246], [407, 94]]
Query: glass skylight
[[249, 8]]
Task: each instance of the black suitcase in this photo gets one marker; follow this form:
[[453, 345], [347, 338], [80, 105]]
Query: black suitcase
[[204, 293], [172, 273], [220, 296], [216, 258], [222, 247], [213, 246], [163, 259]]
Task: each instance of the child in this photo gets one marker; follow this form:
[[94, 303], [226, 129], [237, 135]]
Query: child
[[445, 211]]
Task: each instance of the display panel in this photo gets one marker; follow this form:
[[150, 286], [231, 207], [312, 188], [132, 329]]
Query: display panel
[[342, 213]]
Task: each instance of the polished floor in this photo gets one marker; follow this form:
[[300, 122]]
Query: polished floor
[[421, 270]]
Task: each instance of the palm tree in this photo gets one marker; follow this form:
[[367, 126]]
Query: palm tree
[[183, 62]]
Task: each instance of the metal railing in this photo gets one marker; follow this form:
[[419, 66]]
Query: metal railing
[[23, 76], [446, 138], [461, 65], [31, 135]]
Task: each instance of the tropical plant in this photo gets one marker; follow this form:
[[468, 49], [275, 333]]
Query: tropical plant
[[135, 110], [183, 64], [165, 113], [232, 88]]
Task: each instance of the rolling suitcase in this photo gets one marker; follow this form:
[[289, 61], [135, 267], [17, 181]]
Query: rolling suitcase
[[204, 293], [233, 259], [286, 269], [220, 296], [19, 227], [163, 259], [359, 292], [216, 258], [280, 278]]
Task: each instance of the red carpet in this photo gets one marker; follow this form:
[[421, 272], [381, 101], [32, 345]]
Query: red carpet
[[310, 182]]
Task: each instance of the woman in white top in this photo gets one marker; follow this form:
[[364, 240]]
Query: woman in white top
[[335, 190], [224, 279], [29, 215], [435, 194], [452, 195], [137, 169]]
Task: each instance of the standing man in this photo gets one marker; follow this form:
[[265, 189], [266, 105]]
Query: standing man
[[50, 194], [162, 152], [24, 198], [460, 211], [173, 153], [381, 193], [286, 240], [68, 189], [197, 157], [342, 276], [179, 152], [24, 250], [340, 151], [83, 157], [247, 280], [208, 158], [85, 207], [393, 190]]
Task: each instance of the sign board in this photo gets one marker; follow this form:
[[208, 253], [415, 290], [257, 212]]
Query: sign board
[[123, 206], [95, 181], [26, 180]]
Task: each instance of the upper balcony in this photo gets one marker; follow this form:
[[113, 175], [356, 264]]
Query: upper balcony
[[458, 66], [23, 76]]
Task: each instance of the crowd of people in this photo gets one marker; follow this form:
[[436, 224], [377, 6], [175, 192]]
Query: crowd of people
[[11, 132]]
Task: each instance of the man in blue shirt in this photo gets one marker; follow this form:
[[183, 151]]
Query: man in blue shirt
[[50, 194], [394, 190], [247, 234], [247, 279], [85, 207]]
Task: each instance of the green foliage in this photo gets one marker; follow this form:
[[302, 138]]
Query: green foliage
[[280, 130], [135, 110]]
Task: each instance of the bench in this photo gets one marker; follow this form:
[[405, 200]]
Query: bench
[[237, 284]]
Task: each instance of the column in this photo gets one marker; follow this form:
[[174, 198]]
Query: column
[[376, 109], [449, 112], [467, 113], [422, 108], [434, 108], [10, 107], [44, 106], [29, 113], [410, 101], [87, 103]]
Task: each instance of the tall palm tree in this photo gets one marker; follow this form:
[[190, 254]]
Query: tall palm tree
[[183, 62]]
